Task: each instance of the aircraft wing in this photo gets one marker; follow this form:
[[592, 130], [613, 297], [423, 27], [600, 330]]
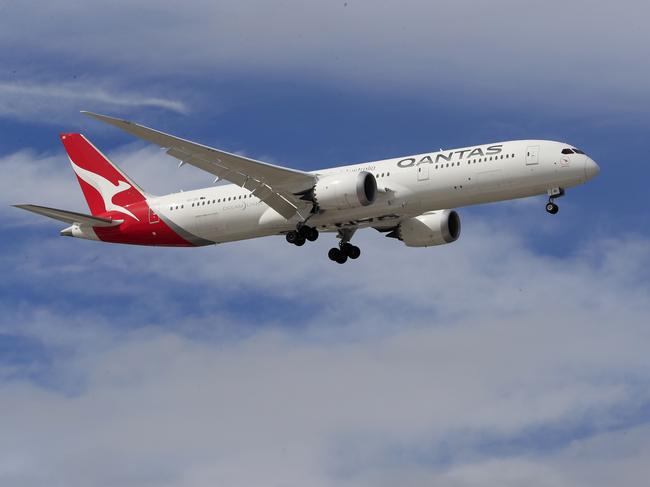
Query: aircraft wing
[[70, 217], [275, 185]]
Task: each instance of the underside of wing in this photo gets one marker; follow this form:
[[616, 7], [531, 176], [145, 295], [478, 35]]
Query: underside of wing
[[276, 186], [70, 217]]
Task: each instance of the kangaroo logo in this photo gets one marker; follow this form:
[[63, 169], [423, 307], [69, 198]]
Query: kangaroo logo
[[105, 188]]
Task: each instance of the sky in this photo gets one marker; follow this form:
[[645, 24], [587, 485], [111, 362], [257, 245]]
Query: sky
[[514, 356]]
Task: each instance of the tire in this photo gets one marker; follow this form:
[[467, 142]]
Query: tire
[[354, 252], [300, 242], [552, 208], [346, 248], [342, 259], [292, 236], [334, 254], [312, 234]]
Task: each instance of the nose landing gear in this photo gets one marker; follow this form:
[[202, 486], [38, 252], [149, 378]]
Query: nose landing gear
[[552, 208], [553, 193]]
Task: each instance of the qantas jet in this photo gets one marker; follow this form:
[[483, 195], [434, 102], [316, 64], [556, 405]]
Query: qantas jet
[[407, 198]]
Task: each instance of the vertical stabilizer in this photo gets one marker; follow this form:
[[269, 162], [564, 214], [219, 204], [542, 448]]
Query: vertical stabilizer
[[105, 187]]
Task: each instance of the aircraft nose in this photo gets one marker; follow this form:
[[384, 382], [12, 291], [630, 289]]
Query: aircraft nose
[[591, 168]]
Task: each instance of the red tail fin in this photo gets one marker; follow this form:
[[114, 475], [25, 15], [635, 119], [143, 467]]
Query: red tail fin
[[105, 187]]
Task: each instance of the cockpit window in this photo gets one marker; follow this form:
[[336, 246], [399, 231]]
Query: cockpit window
[[578, 151], [567, 151]]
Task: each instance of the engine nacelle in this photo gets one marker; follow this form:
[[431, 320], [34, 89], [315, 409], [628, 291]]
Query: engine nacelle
[[342, 191], [434, 228]]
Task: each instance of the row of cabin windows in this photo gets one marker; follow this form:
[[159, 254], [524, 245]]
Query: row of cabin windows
[[474, 161], [381, 175], [480, 159], [207, 202], [486, 159]]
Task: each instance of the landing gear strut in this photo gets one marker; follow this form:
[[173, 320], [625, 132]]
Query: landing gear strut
[[553, 193], [345, 249]]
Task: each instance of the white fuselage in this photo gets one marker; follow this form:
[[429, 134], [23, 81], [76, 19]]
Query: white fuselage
[[408, 186]]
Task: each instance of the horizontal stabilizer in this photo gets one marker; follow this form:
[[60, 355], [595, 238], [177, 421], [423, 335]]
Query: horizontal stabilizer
[[70, 217]]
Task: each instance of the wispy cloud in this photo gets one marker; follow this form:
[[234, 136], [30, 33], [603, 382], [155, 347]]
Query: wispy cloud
[[44, 101]]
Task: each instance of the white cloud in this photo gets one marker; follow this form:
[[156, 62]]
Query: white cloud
[[412, 362]]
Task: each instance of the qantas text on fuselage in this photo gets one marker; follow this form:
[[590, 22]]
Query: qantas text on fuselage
[[407, 198]]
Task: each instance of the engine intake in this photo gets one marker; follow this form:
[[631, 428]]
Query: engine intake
[[343, 191], [434, 228]]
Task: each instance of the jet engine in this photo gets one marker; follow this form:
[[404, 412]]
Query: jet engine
[[343, 191], [433, 228]]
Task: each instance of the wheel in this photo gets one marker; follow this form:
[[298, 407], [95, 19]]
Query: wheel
[[552, 208], [292, 236], [312, 234], [299, 242], [342, 258], [346, 248], [354, 252], [334, 254], [303, 231]]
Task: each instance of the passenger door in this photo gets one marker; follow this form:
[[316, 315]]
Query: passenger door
[[423, 172], [532, 155]]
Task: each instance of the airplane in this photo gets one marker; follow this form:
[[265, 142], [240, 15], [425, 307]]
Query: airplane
[[408, 198]]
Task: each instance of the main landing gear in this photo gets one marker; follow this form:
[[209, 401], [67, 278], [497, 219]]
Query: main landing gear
[[301, 235], [553, 193], [339, 254], [345, 249]]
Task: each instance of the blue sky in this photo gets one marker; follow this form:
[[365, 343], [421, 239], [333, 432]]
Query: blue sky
[[516, 355]]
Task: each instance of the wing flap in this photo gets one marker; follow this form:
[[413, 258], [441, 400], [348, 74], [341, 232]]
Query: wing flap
[[70, 217]]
